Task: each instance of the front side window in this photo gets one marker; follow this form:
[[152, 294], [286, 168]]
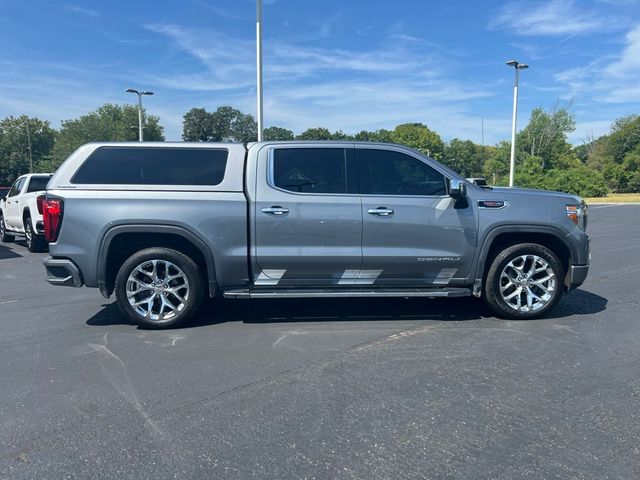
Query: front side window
[[385, 172], [310, 170], [153, 166], [15, 190]]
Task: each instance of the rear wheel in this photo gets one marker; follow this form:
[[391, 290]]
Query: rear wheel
[[35, 242], [4, 236], [524, 281], [159, 287]]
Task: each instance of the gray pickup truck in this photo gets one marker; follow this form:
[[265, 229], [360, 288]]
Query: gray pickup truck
[[163, 225]]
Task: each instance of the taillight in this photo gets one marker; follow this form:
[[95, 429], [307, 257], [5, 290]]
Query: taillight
[[40, 203], [52, 218]]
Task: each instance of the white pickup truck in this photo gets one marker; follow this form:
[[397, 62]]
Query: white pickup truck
[[21, 211]]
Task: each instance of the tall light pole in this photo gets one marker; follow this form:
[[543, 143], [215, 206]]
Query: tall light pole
[[259, 66], [512, 167], [140, 94]]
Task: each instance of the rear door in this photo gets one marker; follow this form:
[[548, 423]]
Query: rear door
[[413, 232], [308, 216]]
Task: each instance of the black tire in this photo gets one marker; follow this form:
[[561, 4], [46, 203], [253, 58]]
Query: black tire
[[540, 288], [187, 290], [35, 243], [4, 235]]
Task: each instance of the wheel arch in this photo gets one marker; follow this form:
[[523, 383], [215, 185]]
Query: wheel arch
[[26, 213], [122, 241], [501, 237]]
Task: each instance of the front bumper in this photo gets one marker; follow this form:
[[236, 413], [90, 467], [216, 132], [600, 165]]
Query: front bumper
[[576, 276], [63, 272]]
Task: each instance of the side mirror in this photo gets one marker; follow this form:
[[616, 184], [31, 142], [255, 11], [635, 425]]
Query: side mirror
[[457, 188]]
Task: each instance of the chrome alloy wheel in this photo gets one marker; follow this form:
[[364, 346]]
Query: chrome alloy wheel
[[527, 283], [28, 235], [157, 290]]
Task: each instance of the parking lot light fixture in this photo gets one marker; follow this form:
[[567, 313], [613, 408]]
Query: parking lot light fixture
[[512, 164], [140, 94]]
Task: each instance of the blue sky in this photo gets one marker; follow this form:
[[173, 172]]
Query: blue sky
[[343, 65]]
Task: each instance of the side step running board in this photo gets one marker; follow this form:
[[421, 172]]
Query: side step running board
[[335, 293]]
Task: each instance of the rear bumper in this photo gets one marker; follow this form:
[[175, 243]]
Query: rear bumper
[[63, 272]]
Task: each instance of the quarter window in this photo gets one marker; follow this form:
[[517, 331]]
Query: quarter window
[[153, 166], [310, 170], [385, 172]]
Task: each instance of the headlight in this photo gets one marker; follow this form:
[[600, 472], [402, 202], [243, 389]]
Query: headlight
[[578, 214]]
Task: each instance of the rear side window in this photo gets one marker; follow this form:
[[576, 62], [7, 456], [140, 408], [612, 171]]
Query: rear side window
[[153, 166], [310, 170], [384, 172], [37, 184]]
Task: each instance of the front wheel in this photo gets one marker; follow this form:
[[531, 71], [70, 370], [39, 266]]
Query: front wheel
[[4, 235], [524, 281], [159, 287]]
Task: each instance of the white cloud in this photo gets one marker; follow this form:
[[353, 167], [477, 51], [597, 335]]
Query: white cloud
[[612, 79], [338, 88], [554, 18], [89, 12], [629, 60]]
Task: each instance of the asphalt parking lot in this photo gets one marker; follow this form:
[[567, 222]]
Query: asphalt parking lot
[[326, 388]]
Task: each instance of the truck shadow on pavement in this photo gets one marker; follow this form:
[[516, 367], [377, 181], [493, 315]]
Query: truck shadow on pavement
[[579, 302], [6, 252]]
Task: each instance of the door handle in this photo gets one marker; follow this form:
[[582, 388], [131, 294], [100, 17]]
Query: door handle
[[275, 210], [382, 211]]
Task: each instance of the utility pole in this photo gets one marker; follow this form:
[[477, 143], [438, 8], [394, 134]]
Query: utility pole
[[29, 145], [259, 114]]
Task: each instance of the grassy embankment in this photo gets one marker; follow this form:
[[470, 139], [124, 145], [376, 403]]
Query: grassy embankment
[[616, 198]]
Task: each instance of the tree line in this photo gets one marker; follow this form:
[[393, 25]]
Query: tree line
[[544, 157]]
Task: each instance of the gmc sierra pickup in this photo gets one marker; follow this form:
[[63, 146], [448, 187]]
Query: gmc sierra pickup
[[21, 211], [164, 225]]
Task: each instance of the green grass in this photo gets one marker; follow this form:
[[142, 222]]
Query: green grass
[[616, 198]]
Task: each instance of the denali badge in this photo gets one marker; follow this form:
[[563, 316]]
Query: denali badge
[[491, 203]]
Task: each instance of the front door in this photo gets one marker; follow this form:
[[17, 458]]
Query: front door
[[12, 207], [413, 232], [308, 217]]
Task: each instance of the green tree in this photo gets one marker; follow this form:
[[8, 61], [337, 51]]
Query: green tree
[[624, 137], [197, 126], [243, 129], [277, 134], [614, 155], [108, 123], [464, 157], [545, 136], [382, 135], [231, 125], [14, 146], [226, 124], [318, 133], [579, 180], [496, 167], [419, 137]]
